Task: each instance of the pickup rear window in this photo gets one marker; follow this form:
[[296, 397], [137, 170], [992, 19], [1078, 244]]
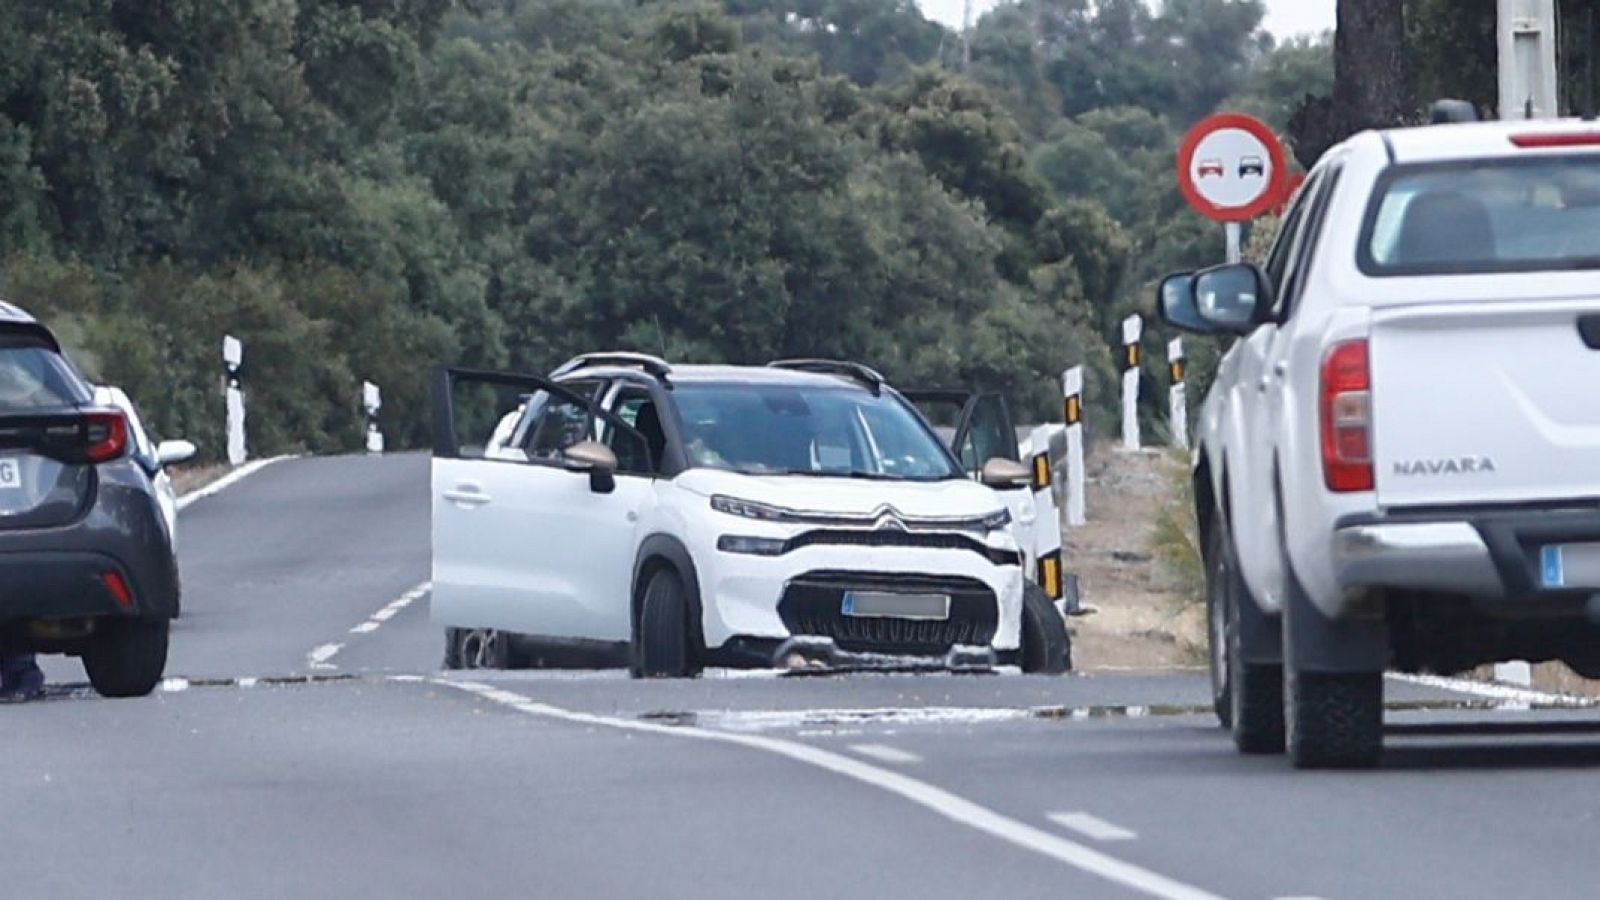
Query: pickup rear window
[[1511, 215]]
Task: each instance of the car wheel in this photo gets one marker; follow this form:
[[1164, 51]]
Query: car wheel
[[478, 648], [1248, 697], [126, 657], [1046, 645], [662, 646], [1335, 721]]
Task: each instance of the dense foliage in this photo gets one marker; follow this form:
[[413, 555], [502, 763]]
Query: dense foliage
[[363, 189]]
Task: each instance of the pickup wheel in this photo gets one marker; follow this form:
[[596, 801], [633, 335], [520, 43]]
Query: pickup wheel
[[479, 648], [662, 644], [1335, 721], [1046, 645], [126, 657], [1247, 697]]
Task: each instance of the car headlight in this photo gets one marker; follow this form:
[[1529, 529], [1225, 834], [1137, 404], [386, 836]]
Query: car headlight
[[996, 520], [754, 546], [748, 509]]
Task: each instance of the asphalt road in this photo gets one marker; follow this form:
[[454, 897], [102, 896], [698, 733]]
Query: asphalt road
[[308, 746]]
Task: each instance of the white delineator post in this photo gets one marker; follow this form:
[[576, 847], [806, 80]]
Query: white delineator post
[[1047, 521], [1072, 391], [1132, 330], [232, 363], [371, 402], [1178, 399]]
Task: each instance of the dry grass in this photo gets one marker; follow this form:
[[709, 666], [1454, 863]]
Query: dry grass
[[186, 479]]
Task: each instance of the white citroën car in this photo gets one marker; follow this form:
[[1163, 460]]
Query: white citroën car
[[673, 517], [1399, 462]]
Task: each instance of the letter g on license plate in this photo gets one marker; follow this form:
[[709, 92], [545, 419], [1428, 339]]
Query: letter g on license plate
[[10, 475]]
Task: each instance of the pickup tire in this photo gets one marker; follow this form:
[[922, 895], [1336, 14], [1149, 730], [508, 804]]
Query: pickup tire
[[1335, 721], [662, 644], [1247, 697], [479, 648], [127, 657], [1046, 644]]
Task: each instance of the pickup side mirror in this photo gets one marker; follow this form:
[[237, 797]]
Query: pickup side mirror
[[173, 452], [1227, 299], [1005, 474], [596, 459]]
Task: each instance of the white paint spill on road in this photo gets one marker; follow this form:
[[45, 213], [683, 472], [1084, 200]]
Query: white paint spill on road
[[1092, 826], [376, 620], [1509, 697], [228, 480], [934, 799], [318, 657], [886, 753]]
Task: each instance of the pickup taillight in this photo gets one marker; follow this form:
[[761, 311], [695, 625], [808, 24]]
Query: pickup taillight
[[1346, 405]]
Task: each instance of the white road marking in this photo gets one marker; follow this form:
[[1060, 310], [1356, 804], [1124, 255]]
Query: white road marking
[[174, 685], [319, 656], [376, 620], [1092, 827], [935, 799], [228, 480], [1504, 693], [885, 753]]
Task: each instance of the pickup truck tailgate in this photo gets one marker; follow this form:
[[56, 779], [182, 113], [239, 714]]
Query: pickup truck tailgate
[[1488, 402]]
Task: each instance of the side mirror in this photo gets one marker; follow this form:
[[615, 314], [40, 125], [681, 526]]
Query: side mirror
[[1005, 474], [1175, 303], [172, 452], [1234, 298], [596, 459]]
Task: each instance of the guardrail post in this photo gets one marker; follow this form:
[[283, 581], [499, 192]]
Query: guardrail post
[[1178, 400], [233, 366], [1072, 390], [1047, 523], [1132, 330]]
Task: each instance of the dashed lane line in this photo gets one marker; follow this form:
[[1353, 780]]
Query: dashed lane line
[[228, 480], [885, 753], [930, 797], [318, 657], [321, 657], [1092, 827]]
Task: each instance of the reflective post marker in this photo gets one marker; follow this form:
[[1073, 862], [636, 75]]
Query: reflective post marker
[[1132, 330], [233, 365], [371, 402], [1072, 390], [1047, 524], [1178, 400]]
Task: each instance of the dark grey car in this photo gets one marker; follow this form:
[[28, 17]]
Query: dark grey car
[[86, 560]]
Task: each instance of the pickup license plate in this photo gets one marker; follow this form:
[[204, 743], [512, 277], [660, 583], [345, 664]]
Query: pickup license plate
[[1570, 565], [10, 475], [884, 605]]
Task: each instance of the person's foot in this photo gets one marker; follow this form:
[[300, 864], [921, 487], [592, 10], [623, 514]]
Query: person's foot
[[22, 685]]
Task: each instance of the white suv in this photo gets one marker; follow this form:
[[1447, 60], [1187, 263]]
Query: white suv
[[628, 511], [1399, 462]]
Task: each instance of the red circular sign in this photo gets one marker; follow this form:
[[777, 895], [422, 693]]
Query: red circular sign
[[1231, 168]]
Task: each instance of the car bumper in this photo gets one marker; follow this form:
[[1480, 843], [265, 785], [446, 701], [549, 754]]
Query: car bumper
[[786, 597], [1489, 555]]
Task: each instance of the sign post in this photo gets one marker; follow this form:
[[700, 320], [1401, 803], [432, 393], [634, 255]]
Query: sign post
[[233, 365], [1132, 330], [1072, 391]]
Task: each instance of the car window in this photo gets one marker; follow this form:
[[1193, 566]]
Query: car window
[[1485, 216], [1319, 195], [560, 424], [635, 456], [1277, 266], [34, 377], [989, 434]]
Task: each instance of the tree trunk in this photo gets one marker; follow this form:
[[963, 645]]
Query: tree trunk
[[1371, 87]]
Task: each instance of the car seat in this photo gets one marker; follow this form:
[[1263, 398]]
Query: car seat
[[1445, 227]]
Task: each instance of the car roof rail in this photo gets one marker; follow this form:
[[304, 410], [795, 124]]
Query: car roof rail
[[654, 366], [852, 370]]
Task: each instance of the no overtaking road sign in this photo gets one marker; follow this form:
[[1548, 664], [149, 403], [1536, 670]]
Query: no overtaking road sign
[[1231, 168]]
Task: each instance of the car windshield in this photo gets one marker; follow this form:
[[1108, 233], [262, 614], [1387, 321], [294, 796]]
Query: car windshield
[[1493, 216], [808, 430]]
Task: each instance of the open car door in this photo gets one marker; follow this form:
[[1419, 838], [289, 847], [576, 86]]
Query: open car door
[[976, 426], [536, 492]]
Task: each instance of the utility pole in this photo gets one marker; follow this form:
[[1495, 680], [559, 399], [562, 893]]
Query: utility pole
[[1527, 42], [966, 36]]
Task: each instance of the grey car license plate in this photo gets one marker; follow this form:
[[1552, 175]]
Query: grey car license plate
[[886, 605], [1570, 565], [10, 475]]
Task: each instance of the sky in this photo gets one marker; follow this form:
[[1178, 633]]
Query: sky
[[1284, 17]]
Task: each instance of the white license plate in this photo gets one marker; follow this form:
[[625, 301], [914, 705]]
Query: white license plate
[[885, 605], [10, 475], [1570, 566]]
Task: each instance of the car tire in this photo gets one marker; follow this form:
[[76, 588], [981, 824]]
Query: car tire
[[1247, 697], [663, 647], [1335, 721], [1046, 644], [478, 648], [127, 657]]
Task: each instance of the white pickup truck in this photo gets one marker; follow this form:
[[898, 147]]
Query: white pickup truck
[[1399, 462]]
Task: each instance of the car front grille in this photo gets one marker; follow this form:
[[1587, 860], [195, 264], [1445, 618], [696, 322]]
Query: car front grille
[[892, 538], [812, 604]]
